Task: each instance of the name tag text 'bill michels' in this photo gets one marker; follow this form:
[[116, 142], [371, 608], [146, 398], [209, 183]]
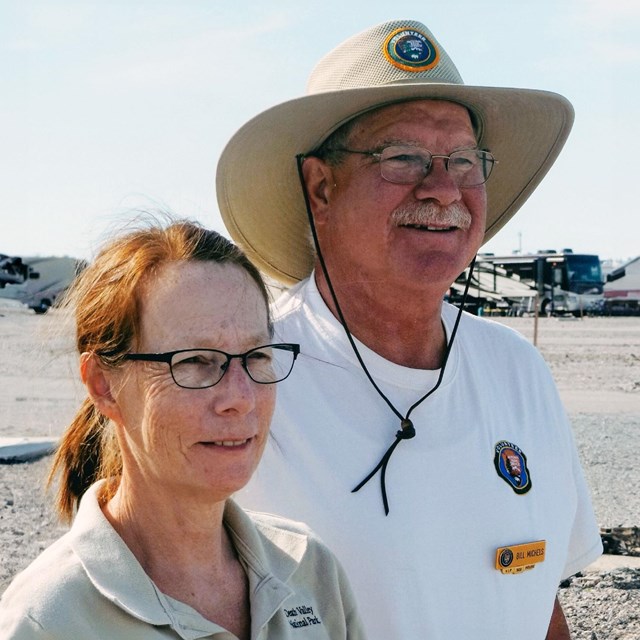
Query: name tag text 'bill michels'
[[517, 558]]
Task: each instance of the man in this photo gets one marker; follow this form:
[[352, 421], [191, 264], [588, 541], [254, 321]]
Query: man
[[427, 447]]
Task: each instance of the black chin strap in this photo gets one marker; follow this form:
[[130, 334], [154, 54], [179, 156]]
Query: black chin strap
[[407, 430]]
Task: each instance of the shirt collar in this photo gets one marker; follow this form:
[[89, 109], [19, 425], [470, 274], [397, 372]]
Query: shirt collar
[[269, 552]]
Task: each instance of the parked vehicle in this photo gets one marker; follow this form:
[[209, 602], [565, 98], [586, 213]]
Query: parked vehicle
[[54, 276], [558, 282], [13, 271]]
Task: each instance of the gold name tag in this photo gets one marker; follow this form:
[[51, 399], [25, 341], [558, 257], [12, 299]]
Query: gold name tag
[[517, 558]]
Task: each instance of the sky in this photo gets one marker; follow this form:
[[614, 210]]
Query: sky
[[115, 106]]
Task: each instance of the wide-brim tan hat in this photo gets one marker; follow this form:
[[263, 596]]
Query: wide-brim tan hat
[[258, 188]]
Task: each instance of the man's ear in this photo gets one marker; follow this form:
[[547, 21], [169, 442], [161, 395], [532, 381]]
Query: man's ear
[[320, 183], [99, 382]]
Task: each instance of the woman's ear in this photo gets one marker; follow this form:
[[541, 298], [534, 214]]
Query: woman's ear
[[99, 382], [320, 183]]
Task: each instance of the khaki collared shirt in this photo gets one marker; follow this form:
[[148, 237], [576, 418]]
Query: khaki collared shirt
[[88, 584]]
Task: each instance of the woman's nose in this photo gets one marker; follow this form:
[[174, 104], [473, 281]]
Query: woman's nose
[[236, 391]]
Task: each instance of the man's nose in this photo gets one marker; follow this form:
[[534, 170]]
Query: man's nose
[[438, 184]]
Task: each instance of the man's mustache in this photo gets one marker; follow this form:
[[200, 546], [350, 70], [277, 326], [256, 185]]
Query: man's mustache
[[431, 214]]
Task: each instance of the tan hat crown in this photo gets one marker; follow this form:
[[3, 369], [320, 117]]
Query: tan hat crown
[[396, 51]]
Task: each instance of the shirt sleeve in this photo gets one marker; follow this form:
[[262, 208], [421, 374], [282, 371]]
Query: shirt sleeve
[[585, 545]]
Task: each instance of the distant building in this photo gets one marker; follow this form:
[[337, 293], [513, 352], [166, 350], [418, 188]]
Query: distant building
[[623, 295]]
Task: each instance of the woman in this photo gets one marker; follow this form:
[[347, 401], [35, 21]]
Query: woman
[[174, 335]]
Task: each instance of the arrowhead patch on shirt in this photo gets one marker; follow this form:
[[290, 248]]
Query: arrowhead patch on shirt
[[511, 465]]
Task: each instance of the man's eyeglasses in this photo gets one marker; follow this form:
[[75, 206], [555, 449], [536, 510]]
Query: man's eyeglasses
[[402, 164], [202, 368]]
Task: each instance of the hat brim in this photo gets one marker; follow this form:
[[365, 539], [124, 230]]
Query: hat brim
[[259, 193]]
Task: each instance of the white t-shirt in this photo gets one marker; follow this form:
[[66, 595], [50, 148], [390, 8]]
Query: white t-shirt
[[493, 464]]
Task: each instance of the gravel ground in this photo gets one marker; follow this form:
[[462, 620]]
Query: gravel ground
[[596, 363]]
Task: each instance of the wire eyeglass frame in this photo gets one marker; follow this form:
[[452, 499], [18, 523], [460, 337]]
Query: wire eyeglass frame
[[407, 164]]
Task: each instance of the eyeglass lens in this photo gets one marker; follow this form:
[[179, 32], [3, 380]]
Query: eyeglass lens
[[200, 368], [410, 165]]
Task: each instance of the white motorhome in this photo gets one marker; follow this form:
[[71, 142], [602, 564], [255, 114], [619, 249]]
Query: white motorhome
[[54, 275]]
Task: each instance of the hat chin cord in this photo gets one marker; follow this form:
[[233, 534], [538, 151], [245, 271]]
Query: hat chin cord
[[407, 430]]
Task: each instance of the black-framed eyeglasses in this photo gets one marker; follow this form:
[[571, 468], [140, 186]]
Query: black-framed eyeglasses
[[406, 164], [202, 368]]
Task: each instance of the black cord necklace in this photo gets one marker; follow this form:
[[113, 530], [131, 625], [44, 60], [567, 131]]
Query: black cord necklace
[[407, 430]]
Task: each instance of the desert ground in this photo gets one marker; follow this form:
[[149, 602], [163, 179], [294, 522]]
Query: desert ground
[[596, 364]]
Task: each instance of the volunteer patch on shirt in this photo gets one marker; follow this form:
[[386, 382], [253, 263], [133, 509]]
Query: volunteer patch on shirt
[[511, 465]]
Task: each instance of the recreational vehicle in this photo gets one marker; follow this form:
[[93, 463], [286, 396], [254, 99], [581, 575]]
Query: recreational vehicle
[[549, 282], [54, 276]]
